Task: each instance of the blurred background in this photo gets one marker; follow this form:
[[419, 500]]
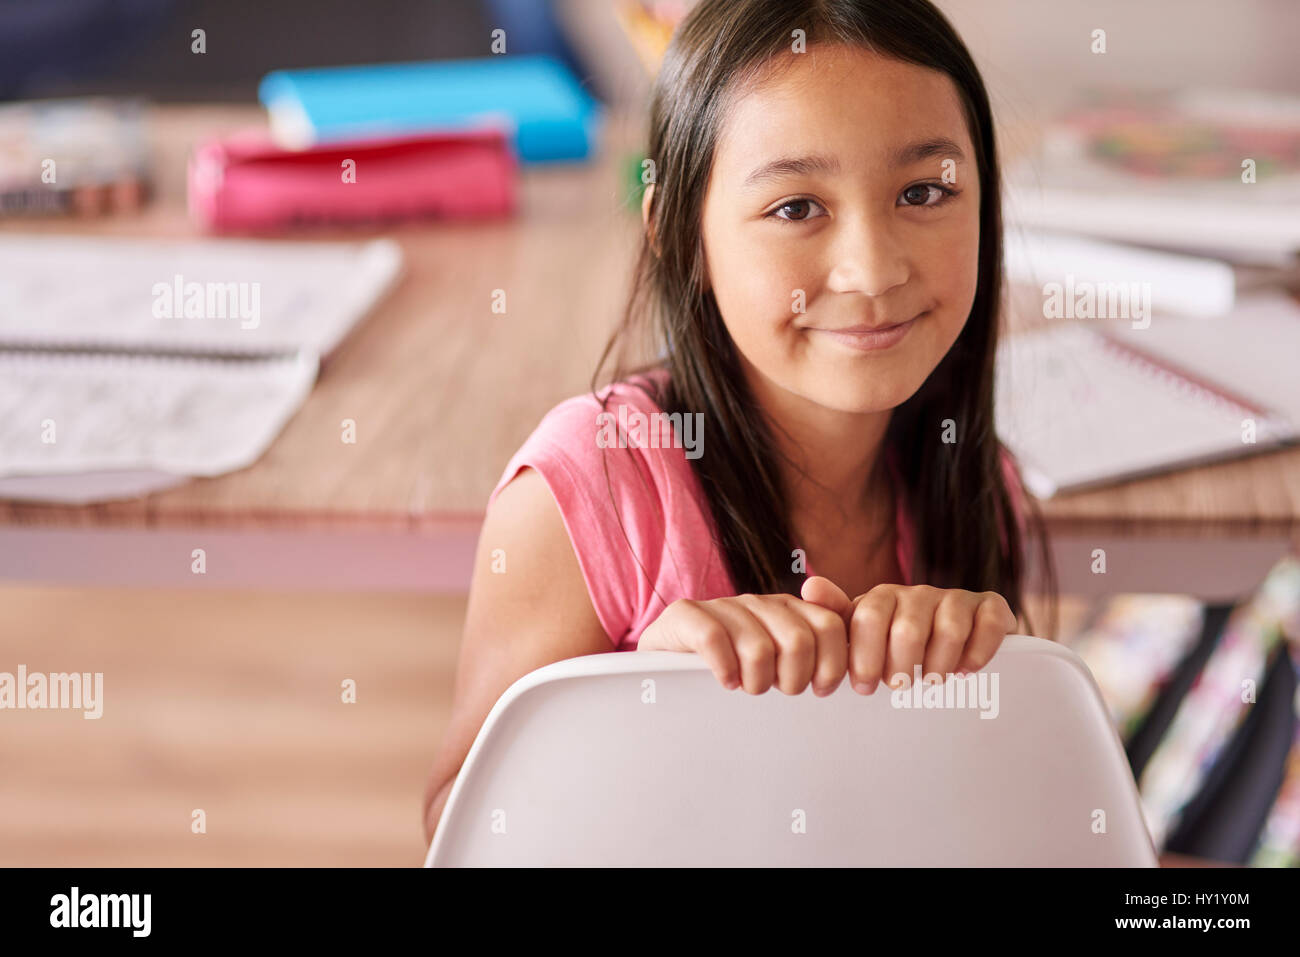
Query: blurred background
[[1027, 52], [237, 520]]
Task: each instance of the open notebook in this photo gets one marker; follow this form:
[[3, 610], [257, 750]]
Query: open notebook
[[130, 365], [1086, 402]]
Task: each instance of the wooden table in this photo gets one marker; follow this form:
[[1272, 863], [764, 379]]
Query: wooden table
[[443, 391]]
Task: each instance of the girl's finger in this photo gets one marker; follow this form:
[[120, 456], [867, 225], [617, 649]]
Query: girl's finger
[[752, 643], [824, 592], [831, 635], [909, 633], [696, 630], [869, 638], [954, 619], [796, 644], [993, 622]]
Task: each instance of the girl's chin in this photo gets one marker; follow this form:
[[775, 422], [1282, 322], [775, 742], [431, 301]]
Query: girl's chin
[[855, 399]]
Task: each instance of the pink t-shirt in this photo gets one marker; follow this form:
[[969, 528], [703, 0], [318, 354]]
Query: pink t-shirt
[[653, 486]]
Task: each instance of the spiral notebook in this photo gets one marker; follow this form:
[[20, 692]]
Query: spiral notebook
[[1081, 405], [127, 366]]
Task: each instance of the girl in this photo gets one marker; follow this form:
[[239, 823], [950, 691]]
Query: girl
[[821, 277]]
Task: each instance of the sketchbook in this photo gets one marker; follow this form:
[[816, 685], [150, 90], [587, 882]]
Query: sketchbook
[[128, 365], [1087, 403], [1217, 172]]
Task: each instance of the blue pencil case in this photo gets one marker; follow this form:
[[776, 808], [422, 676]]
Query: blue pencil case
[[535, 96]]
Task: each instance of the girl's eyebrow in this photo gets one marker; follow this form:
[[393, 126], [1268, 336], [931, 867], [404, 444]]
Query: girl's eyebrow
[[940, 146], [791, 166]]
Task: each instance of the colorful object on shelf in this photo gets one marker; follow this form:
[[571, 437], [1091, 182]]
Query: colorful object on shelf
[[1219, 700], [1133, 648], [1279, 839], [247, 183], [550, 115]]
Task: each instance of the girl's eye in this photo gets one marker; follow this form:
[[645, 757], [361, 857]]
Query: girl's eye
[[802, 210], [925, 194]]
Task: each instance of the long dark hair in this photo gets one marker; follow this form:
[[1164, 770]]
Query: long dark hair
[[955, 491]]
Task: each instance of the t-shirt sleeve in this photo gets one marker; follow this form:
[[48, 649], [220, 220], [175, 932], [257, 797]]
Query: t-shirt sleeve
[[1015, 491], [611, 523]]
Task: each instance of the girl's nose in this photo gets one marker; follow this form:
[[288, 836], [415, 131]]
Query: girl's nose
[[868, 260]]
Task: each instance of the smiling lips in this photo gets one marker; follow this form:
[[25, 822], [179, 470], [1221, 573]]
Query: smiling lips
[[870, 338]]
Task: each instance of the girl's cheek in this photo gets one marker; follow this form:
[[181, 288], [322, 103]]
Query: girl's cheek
[[760, 289], [949, 267], [966, 275]]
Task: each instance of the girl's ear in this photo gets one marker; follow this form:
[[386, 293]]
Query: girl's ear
[[647, 197]]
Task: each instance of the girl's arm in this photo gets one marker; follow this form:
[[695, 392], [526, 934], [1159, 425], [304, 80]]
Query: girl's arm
[[534, 613]]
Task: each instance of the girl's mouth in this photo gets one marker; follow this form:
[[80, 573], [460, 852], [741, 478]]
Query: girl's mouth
[[870, 340]]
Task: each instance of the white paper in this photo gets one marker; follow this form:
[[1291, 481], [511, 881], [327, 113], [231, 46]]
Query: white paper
[[1189, 285], [88, 291], [113, 384], [68, 413]]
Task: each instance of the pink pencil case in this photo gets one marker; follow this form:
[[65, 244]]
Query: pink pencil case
[[247, 183]]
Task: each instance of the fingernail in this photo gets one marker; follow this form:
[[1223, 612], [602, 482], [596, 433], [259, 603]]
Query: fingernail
[[861, 687], [732, 684]]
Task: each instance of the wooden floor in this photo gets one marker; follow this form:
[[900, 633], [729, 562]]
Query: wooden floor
[[229, 702]]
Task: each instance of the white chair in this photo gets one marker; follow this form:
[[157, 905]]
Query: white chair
[[642, 758]]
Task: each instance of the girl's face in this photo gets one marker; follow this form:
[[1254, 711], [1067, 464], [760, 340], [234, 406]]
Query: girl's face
[[844, 197]]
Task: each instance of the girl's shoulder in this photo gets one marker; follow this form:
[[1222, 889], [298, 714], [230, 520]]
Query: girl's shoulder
[[629, 499], [575, 432], [588, 411]]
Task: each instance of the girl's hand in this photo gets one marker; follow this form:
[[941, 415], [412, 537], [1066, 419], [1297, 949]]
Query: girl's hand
[[757, 640], [894, 628]]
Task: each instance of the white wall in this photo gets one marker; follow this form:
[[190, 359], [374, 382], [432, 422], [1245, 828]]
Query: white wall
[[1034, 54]]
